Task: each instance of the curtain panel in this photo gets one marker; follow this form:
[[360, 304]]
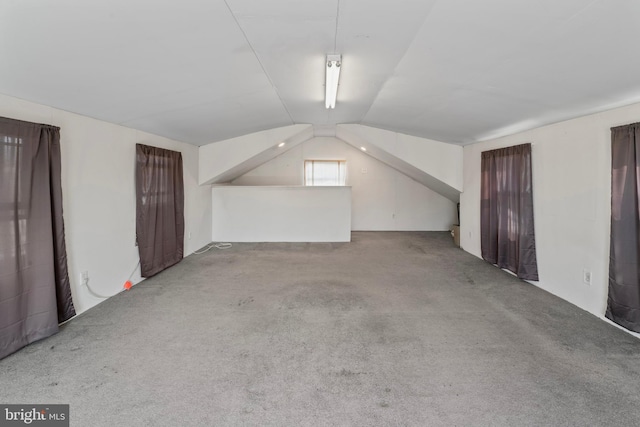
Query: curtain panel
[[623, 303], [159, 208], [506, 211], [35, 293]]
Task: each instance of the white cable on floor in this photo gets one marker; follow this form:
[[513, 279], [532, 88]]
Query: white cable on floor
[[98, 295], [209, 247], [105, 296], [212, 245]]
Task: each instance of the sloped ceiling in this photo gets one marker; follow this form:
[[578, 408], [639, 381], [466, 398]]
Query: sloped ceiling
[[202, 71], [436, 165]]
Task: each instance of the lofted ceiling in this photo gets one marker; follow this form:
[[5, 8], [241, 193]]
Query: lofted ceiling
[[201, 71]]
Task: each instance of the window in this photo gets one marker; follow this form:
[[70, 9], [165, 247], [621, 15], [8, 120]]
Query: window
[[10, 155], [35, 292], [325, 172], [623, 304], [159, 208], [157, 189], [506, 219], [13, 210]]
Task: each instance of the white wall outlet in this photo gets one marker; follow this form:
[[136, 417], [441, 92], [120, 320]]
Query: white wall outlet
[[189, 235], [364, 170], [586, 277]]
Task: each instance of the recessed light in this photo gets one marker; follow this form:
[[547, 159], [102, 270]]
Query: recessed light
[[363, 149], [281, 145]]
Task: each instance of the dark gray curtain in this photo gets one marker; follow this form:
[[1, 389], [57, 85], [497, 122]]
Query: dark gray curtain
[[159, 208], [506, 218], [35, 294], [623, 305]]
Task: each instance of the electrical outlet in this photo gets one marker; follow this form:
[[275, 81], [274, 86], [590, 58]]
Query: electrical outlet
[[364, 170], [586, 277], [189, 235]]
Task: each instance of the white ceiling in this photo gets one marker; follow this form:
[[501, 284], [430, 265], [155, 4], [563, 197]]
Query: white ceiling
[[201, 71]]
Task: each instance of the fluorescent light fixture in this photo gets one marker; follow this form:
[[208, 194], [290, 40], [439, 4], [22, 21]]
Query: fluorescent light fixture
[[333, 64], [363, 148], [281, 145]]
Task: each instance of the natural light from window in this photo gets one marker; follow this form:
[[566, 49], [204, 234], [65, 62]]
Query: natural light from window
[[325, 172]]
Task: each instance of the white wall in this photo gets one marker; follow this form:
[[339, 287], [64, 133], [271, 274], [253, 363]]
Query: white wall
[[281, 214], [382, 198], [572, 202], [98, 161]]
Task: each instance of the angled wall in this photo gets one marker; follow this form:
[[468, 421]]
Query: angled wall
[[224, 161], [382, 197], [435, 164]]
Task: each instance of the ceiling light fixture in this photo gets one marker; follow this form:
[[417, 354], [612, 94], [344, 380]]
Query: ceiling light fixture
[[281, 145], [363, 148], [333, 64]]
